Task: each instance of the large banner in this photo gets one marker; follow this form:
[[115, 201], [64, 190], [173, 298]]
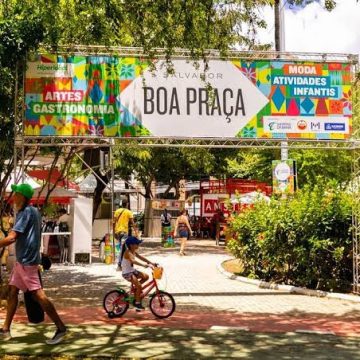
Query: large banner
[[125, 97]]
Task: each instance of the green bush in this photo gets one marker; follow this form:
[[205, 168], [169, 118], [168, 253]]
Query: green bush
[[139, 220], [303, 240]]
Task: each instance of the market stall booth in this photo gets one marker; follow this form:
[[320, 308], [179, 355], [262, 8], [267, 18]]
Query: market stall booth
[[216, 194], [80, 225], [78, 238]]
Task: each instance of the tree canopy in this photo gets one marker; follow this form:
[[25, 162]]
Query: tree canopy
[[27, 26]]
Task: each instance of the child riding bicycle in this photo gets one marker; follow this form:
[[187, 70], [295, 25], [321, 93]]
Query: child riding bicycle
[[129, 273]]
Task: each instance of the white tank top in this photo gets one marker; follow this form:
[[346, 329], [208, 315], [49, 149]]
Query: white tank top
[[127, 266]]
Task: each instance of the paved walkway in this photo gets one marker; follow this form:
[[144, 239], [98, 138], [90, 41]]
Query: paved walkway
[[204, 297], [195, 282], [211, 309]]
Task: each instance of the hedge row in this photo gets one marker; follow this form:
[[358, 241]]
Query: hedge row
[[303, 240]]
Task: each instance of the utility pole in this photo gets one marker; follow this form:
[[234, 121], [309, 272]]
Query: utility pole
[[279, 15]]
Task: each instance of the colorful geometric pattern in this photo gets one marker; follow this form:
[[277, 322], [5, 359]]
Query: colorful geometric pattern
[[283, 100], [97, 81], [80, 95]]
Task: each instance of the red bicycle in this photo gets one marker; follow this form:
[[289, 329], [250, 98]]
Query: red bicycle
[[162, 304]]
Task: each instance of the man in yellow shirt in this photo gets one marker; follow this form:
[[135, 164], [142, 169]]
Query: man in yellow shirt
[[123, 219]]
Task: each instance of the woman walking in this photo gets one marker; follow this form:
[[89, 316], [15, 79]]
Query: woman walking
[[183, 227]]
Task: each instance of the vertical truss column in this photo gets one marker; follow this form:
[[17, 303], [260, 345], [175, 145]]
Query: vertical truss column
[[356, 181], [356, 220]]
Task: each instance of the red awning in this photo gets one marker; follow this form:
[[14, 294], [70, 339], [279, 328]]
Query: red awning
[[54, 177]]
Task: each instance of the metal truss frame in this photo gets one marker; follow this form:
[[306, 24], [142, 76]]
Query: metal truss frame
[[22, 142], [259, 143], [179, 53]]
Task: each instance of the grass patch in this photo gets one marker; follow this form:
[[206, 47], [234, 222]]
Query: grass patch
[[234, 266]]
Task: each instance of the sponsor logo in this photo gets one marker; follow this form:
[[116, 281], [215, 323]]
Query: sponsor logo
[[315, 125], [273, 126], [282, 171], [335, 126], [302, 125], [51, 67]]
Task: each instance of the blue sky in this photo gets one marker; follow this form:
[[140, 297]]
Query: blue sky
[[314, 29]]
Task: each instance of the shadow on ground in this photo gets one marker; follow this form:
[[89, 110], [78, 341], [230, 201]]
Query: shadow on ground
[[193, 247], [136, 342]]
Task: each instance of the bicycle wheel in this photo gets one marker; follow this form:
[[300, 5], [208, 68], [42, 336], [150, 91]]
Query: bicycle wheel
[[162, 304], [115, 303]]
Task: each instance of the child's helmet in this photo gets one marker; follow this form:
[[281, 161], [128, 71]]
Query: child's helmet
[[132, 240]]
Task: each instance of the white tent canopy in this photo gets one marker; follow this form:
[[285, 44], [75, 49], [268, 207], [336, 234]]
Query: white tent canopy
[[27, 180], [250, 198]]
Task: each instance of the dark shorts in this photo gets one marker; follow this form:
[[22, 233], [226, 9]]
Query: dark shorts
[[183, 233], [119, 236], [128, 276]]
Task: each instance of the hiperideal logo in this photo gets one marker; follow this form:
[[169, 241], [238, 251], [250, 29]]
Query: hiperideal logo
[[51, 67]]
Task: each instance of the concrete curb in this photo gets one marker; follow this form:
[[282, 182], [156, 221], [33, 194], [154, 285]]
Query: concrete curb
[[288, 288]]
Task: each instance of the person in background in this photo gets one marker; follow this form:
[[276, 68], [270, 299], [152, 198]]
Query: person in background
[[64, 240], [26, 234], [217, 218], [6, 224], [183, 228], [165, 219], [124, 221], [188, 217]]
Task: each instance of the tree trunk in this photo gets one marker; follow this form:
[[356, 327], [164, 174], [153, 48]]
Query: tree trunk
[[171, 186], [127, 187], [148, 214], [277, 4], [100, 187], [148, 210], [64, 171]]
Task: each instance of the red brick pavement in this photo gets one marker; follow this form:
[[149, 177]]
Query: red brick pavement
[[341, 326]]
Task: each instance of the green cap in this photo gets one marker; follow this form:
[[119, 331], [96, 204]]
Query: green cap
[[24, 189]]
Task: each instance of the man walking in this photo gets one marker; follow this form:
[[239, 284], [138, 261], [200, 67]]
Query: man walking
[[165, 219], [123, 220], [26, 234]]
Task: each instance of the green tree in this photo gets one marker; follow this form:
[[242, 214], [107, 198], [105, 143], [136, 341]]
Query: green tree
[[169, 166], [322, 165], [195, 25], [253, 164]]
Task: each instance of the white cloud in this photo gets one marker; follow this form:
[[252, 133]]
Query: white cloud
[[314, 29]]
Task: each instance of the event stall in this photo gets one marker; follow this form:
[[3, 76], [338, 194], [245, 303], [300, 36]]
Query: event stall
[[80, 232]]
